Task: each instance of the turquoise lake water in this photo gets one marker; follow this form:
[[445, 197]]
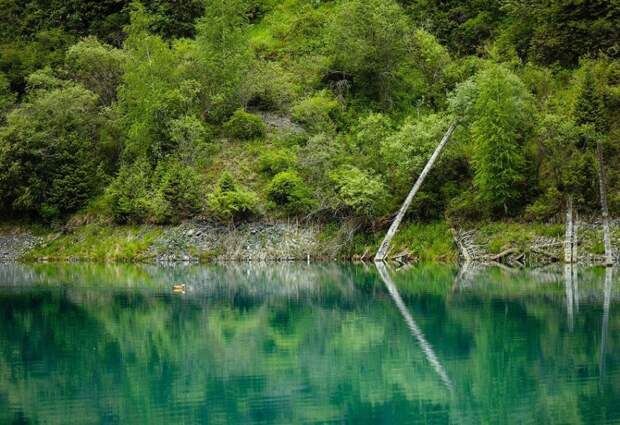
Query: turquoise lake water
[[308, 344]]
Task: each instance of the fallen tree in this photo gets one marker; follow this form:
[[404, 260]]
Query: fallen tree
[[384, 248]]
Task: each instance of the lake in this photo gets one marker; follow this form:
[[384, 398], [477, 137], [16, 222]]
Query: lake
[[290, 343]]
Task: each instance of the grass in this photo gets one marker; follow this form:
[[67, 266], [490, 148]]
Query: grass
[[499, 236], [428, 242], [96, 242], [425, 241], [18, 226], [591, 240]]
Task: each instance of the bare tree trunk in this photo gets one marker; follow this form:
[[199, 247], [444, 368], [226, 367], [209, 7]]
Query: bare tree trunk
[[575, 236], [602, 182], [385, 245], [569, 241]]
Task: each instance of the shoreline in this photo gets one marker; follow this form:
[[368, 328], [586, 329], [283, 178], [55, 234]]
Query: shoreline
[[511, 243]]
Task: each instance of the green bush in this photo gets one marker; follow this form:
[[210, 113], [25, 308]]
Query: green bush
[[321, 152], [358, 192], [614, 204], [275, 161], [128, 195], [230, 203], [6, 97], [96, 66], [369, 40], [273, 88], [50, 157], [288, 190], [465, 207], [191, 137], [318, 113], [545, 207], [407, 150], [178, 193], [168, 194], [245, 126]]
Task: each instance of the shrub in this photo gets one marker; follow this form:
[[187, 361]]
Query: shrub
[[545, 207], [368, 40], [614, 204], [170, 193], [245, 126], [191, 138], [358, 192], [97, 66], [229, 202], [317, 113], [288, 190], [406, 151], [127, 196], [6, 97], [273, 88], [369, 133], [501, 112], [275, 161], [178, 193], [465, 207], [321, 152], [50, 158]]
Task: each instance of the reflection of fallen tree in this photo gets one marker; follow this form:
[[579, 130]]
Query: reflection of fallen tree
[[426, 347], [605, 324]]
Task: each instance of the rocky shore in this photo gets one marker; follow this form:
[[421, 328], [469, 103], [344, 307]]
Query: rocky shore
[[15, 243], [194, 242], [190, 242]]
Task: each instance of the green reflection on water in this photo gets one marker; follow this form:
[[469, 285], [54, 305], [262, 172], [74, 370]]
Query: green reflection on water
[[294, 343]]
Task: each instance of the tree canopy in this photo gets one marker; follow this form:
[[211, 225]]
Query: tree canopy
[[160, 111]]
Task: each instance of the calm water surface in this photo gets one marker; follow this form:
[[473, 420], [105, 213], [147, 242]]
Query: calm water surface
[[294, 343]]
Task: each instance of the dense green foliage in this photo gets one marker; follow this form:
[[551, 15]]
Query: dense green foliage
[[160, 111], [51, 156], [244, 126], [229, 202]]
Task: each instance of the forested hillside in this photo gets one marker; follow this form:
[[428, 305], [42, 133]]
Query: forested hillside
[[233, 110]]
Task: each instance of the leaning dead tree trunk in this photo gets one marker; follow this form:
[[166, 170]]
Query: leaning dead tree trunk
[[385, 245], [570, 242], [602, 182]]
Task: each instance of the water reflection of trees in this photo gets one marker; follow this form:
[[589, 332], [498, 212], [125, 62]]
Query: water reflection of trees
[[297, 343], [240, 282]]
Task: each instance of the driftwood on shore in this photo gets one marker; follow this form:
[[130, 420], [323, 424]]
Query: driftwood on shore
[[542, 250]]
